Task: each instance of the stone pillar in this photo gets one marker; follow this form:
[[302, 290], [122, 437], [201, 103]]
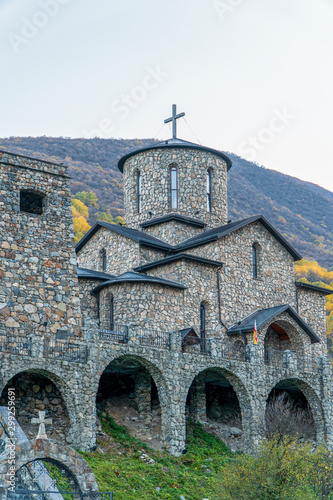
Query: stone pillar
[[143, 391], [290, 360], [175, 342], [174, 428], [198, 400], [326, 391], [253, 354]]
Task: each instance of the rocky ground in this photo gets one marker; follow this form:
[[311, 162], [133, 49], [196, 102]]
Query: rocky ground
[[147, 428]]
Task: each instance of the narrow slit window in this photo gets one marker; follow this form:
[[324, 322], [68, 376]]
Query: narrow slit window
[[209, 191], [111, 313], [103, 259], [139, 192], [203, 326], [174, 187], [31, 202], [254, 261]]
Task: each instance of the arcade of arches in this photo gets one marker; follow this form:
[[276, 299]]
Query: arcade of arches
[[128, 394]]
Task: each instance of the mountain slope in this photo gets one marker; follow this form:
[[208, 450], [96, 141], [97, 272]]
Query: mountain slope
[[302, 211]]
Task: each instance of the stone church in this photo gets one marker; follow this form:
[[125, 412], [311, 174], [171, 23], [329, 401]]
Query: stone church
[[161, 309]]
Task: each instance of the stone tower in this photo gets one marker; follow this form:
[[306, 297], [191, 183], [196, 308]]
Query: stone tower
[[175, 177], [38, 278]]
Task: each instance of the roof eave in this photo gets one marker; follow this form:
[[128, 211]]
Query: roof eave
[[174, 145]]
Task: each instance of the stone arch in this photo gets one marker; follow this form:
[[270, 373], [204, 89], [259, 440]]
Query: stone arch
[[240, 390], [282, 334], [63, 388], [159, 383], [312, 398], [40, 449]]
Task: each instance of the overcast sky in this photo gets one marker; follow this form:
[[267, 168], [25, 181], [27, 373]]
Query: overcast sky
[[254, 77]]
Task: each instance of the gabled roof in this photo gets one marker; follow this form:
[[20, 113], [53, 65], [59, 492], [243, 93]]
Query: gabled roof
[[132, 234], [175, 143], [131, 277], [198, 240], [314, 288], [186, 331], [218, 232], [263, 316], [176, 217], [90, 273], [174, 258]]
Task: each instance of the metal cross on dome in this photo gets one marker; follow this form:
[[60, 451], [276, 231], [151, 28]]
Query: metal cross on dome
[[173, 119]]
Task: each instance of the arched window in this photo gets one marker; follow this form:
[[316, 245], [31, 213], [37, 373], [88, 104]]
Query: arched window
[[203, 326], [209, 190], [111, 314], [103, 257], [254, 261], [31, 201], [139, 192], [173, 187]]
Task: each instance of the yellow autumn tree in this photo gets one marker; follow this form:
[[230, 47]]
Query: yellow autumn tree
[[80, 215]]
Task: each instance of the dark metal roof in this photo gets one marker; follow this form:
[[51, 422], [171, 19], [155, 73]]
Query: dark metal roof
[[263, 316], [219, 232], [315, 288], [90, 273], [177, 217], [175, 143], [198, 240], [131, 277], [133, 234], [186, 331], [174, 258]]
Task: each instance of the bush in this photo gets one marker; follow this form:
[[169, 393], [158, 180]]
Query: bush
[[281, 470]]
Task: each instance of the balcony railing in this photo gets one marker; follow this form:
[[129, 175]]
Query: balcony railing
[[117, 333], [65, 351], [11, 344], [274, 357], [153, 338], [202, 346], [235, 352]]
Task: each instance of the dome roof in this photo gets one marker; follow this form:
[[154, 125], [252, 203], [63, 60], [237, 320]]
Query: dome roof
[[174, 143]]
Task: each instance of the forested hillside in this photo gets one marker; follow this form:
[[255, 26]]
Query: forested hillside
[[302, 211]]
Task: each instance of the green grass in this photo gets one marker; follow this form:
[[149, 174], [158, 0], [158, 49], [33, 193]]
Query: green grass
[[121, 470]]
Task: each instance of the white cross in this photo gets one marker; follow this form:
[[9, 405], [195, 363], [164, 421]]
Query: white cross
[[41, 421]]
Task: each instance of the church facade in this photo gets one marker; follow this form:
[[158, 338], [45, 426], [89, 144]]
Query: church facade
[[163, 307]]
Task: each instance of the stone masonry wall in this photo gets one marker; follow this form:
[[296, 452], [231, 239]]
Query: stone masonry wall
[[38, 287], [153, 306], [173, 232], [192, 165], [201, 283], [122, 253], [312, 308], [241, 294]]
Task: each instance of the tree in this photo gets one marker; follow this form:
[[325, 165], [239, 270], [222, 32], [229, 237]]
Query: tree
[[80, 214], [88, 198]]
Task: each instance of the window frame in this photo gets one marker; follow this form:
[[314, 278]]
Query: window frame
[[255, 263], [104, 259], [138, 192], [203, 323], [173, 168], [209, 189]]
